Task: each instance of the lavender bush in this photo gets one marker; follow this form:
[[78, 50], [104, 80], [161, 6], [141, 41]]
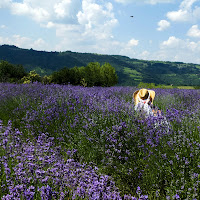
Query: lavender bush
[[76, 142], [37, 170]]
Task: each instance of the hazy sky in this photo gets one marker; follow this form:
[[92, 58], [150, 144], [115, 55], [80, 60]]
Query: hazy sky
[[166, 30]]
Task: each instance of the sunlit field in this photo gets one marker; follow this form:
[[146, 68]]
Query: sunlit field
[[71, 142]]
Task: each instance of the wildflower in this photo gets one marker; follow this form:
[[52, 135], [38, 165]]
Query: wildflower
[[176, 196], [138, 191]]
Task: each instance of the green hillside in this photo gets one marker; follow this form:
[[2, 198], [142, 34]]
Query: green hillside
[[130, 71]]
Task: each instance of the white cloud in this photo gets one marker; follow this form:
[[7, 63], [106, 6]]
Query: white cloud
[[129, 48], [95, 21], [163, 24], [187, 4], [66, 31], [59, 8], [45, 10], [93, 30], [144, 1], [19, 40], [4, 3], [132, 43], [158, 1], [196, 13], [145, 55], [172, 42], [86, 19], [50, 24], [193, 46], [3, 26], [187, 12], [38, 14], [39, 44], [24, 42], [176, 49], [194, 31], [67, 9], [85, 25], [95, 16], [180, 15]]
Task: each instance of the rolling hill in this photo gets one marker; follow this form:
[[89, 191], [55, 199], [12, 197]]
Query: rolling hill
[[130, 71]]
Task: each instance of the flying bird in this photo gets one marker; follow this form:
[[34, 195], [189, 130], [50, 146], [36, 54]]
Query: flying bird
[[131, 16]]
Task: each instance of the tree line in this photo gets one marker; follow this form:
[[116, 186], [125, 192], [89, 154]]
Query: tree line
[[93, 74], [11, 73]]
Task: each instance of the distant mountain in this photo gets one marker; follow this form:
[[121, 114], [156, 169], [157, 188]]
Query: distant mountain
[[130, 71]]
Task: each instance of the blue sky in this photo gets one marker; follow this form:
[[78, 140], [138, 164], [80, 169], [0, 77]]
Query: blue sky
[[166, 30]]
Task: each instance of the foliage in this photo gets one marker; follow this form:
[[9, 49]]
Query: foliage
[[146, 85], [83, 82], [46, 79], [197, 87], [31, 77], [91, 75], [153, 85], [99, 129], [62, 76], [11, 73], [108, 75]]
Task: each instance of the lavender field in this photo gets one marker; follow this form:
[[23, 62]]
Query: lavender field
[[71, 142]]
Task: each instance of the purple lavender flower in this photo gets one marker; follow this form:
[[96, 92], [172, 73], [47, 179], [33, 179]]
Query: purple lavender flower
[[176, 196], [101, 124], [138, 191]]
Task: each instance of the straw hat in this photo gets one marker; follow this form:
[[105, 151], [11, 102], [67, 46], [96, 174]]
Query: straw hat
[[143, 94]]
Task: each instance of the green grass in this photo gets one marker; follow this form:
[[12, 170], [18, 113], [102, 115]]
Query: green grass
[[137, 76]]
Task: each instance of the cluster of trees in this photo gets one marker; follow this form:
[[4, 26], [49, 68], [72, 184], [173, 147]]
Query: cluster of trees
[[11, 73], [92, 75]]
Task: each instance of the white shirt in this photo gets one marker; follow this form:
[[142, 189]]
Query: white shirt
[[144, 107]]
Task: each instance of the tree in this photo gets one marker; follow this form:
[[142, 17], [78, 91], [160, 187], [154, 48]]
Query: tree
[[11, 73], [92, 74], [75, 76], [31, 77], [47, 79], [61, 77], [108, 75]]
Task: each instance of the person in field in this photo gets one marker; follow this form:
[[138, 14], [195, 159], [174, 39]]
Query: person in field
[[143, 99]]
